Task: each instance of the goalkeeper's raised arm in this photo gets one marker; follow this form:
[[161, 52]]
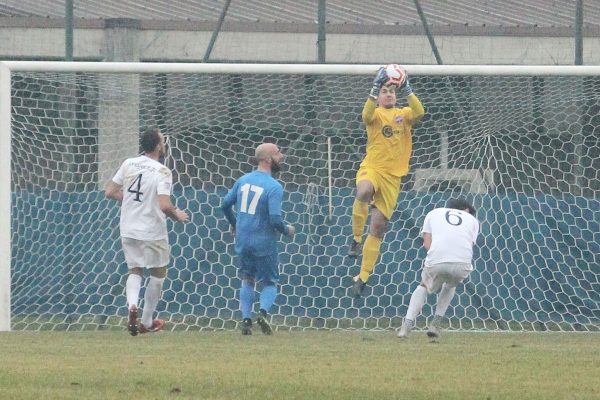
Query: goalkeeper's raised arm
[[402, 90], [389, 147]]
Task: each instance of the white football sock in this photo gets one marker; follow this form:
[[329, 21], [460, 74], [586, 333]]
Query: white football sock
[[132, 289], [444, 299], [151, 298], [416, 302]]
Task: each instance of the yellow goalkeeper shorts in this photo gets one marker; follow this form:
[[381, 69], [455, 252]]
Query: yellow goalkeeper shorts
[[387, 189]]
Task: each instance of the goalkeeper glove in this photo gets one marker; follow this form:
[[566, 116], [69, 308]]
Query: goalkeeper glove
[[405, 90], [378, 82]]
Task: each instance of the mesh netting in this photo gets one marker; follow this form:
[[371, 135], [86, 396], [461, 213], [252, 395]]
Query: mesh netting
[[524, 149]]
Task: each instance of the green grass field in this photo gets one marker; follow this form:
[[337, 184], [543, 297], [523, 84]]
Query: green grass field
[[298, 365]]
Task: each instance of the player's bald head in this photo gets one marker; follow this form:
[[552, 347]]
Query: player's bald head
[[265, 151]]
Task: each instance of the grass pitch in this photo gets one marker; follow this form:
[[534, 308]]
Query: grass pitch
[[298, 365]]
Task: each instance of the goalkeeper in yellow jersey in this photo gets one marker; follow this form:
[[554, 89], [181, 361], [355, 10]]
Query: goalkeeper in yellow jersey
[[389, 147]]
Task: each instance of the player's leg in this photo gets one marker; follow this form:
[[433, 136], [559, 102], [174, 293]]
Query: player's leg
[[133, 286], [443, 301], [385, 198], [454, 275], [372, 246], [360, 209], [268, 273], [417, 300], [371, 251], [444, 298], [151, 299], [134, 256], [267, 298], [246, 301], [247, 273], [132, 291], [430, 283], [156, 254]]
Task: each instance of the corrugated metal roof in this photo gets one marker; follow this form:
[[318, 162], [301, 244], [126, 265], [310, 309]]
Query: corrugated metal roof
[[508, 13]]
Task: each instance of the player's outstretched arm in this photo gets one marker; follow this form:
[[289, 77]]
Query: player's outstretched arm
[[277, 223], [291, 230], [427, 238], [227, 208], [114, 191], [380, 78], [164, 202], [405, 91], [368, 112], [371, 103], [417, 108], [275, 217]]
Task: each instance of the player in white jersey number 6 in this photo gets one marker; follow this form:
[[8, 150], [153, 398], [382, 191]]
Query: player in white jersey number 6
[[143, 185], [449, 234]]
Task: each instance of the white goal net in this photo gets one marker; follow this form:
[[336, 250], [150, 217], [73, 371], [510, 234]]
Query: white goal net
[[522, 143]]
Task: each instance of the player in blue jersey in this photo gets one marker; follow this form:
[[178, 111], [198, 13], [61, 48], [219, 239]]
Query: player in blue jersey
[[257, 197]]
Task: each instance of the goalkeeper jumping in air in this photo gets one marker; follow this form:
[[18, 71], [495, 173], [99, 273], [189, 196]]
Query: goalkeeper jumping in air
[[389, 147]]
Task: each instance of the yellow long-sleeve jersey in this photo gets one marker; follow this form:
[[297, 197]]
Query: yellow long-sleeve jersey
[[389, 135]]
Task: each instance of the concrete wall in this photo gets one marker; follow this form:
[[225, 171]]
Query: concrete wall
[[301, 47], [49, 43]]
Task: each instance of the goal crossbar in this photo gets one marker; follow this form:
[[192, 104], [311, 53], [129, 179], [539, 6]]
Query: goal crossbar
[[291, 69]]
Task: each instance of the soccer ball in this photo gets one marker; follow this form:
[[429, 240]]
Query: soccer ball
[[396, 75]]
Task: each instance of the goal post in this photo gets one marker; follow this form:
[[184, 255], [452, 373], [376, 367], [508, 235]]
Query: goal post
[[522, 142], [5, 197]]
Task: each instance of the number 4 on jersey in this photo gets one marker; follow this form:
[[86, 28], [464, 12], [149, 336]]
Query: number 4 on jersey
[[135, 188]]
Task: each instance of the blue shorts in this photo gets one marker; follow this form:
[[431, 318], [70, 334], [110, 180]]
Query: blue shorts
[[261, 268]]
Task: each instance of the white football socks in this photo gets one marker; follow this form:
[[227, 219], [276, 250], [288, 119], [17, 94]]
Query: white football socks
[[132, 289], [151, 298], [416, 302]]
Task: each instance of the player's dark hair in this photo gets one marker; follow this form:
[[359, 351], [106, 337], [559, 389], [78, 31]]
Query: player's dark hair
[[150, 138], [461, 204]]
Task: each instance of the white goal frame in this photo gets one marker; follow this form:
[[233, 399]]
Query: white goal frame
[[7, 67]]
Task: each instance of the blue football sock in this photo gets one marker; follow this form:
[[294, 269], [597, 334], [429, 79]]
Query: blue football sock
[[246, 299], [267, 296]]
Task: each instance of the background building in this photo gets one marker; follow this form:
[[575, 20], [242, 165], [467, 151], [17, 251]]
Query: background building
[[286, 31]]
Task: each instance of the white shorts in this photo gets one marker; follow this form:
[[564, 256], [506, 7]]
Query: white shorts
[[434, 275], [146, 254]]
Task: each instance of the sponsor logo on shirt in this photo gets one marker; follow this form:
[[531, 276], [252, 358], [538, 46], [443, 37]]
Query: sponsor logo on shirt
[[387, 131]]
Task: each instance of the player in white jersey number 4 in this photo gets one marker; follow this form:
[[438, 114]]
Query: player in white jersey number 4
[[449, 234], [143, 186]]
